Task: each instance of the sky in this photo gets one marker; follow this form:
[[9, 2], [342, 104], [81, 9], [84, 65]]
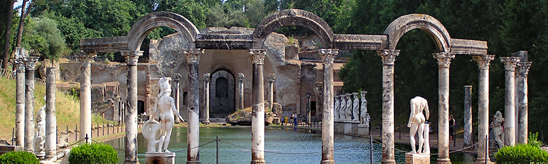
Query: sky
[[18, 3]]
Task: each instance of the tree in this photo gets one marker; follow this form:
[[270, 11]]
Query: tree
[[46, 39], [7, 34]]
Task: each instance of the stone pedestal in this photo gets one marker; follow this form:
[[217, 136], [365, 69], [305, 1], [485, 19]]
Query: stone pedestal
[[363, 130], [348, 128], [160, 158], [339, 127], [417, 158], [355, 125]]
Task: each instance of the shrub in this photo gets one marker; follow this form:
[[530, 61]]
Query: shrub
[[93, 153], [533, 140], [521, 153], [18, 157]]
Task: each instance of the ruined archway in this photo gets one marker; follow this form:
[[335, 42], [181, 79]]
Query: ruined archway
[[429, 24], [293, 17], [140, 29], [222, 94]]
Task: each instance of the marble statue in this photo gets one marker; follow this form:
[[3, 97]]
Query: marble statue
[[163, 109], [497, 129], [342, 108], [40, 135], [336, 110], [356, 108], [363, 110], [348, 107], [417, 121]]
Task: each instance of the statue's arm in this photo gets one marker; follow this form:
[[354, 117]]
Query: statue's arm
[[174, 108], [411, 115], [426, 110]]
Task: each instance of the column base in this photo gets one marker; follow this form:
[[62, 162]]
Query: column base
[[207, 122], [328, 162], [443, 161], [482, 161], [411, 158], [193, 162], [258, 161], [389, 162], [160, 158]]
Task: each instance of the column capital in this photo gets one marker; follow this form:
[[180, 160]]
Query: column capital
[[257, 55], [510, 63], [30, 62], [132, 57], [444, 58], [484, 61], [271, 77], [388, 56], [328, 55], [176, 77], [523, 68], [207, 77], [20, 64], [241, 77], [193, 55]]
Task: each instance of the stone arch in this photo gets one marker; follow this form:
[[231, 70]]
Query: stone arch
[[429, 24], [293, 17], [140, 29]]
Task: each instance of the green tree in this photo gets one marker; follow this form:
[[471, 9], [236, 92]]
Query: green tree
[[46, 39]]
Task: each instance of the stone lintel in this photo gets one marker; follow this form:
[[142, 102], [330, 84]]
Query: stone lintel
[[224, 41], [522, 55], [360, 42], [109, 44], [468, 47]]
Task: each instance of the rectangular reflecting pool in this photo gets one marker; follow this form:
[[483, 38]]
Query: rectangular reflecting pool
[[281, 146]]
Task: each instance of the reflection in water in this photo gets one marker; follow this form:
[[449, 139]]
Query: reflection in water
[[282, 146]]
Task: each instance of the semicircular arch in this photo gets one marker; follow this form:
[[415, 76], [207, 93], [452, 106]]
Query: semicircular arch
[[140, 29], [293, 17], [427, 23]]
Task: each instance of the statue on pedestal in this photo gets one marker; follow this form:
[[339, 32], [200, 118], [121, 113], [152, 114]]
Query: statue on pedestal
[[417, 122], [356, 108], [164, 108], [348, 107], [363, 111], [336, 110], [497, 129], [342, 108]]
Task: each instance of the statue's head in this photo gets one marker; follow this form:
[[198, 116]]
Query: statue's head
[[164, 84]]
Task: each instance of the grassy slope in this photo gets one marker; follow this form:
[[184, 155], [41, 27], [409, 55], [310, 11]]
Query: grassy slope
[[67, 108]]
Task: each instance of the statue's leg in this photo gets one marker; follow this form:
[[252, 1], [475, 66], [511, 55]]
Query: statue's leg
[[421, 137], [169, 127], [162, 136], [412, 132]]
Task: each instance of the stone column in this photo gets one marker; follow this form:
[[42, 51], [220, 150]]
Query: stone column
[[523, 106], [328, 125], [85, 94], [193, 132], [30, 65], [483, 103], [467, 115], [206, 97], [176, 92], [131, 106], [388, 59], [20, 103], [257, 116], [444, 61], [51, 120], [240, 97], [271, 79], [510, 104]]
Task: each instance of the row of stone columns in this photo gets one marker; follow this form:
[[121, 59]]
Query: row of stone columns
[[25, 125]]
